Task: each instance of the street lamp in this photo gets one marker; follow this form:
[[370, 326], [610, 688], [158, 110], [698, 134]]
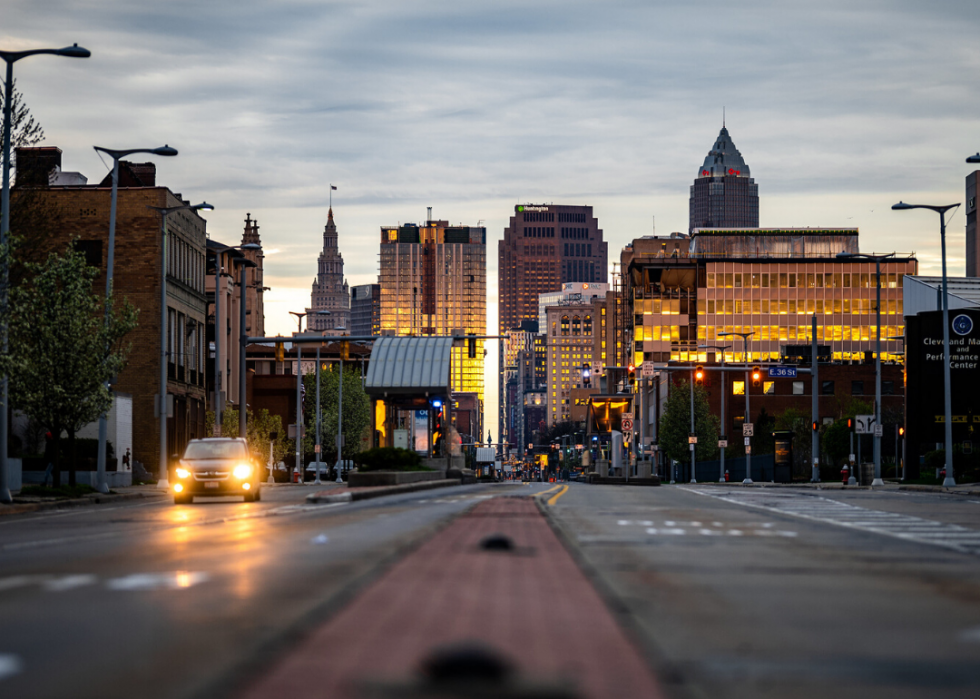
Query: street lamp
[[299, 384], [243, 263], [947, 384], [165, 150], [163, 480], [11, 57], [317, 481], [724, 398], [340, 412], [877, 436], [748, 414]]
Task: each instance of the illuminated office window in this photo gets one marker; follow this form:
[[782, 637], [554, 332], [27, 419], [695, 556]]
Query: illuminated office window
[[738, 388]]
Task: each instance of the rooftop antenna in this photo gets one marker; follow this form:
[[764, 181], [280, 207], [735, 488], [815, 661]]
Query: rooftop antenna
[[655, 226], [723, 116], [429, 214]]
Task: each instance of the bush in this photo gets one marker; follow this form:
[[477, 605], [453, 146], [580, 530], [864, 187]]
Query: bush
[[389, 459]]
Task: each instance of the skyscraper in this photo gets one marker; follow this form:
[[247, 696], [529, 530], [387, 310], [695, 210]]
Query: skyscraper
[[330, 290], [433, 281], [724, 195], [365, 310]]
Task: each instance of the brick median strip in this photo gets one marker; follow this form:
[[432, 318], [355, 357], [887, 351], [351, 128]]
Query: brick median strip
[[326, 496], [531, 605]]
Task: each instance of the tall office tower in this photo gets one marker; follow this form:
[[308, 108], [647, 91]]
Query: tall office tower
[[365, 310], [972, 247], [724, 195], [433, 281], [543, 247], [330, 290], [254, 289]]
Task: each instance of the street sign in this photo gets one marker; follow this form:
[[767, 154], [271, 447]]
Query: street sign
[[647, 370], [748, 430], [596, 368], [864, 424], [692, 439], [782, 372], [748, 449], [747, 441], [722, 443], [878, 430], [627, 423], [627, 416]]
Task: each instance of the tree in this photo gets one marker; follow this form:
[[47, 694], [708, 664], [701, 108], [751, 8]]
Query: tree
[[357, 412], [675, 424], [837, 438], [66, 344], [24, 131], [798, 422]]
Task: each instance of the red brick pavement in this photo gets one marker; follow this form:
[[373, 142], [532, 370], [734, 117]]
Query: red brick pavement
[[532, 604]]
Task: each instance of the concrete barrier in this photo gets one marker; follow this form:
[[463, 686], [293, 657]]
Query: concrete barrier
[[368, 479]]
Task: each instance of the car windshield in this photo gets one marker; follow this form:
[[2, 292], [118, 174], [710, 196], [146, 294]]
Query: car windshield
[[215, 450]]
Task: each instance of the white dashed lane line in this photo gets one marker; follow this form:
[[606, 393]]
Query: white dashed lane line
[[173, 580], [907, 527]]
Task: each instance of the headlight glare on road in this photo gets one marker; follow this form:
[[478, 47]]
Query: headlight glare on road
[[242, 471], [183, 473]]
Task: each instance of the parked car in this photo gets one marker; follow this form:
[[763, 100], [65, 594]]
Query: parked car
[[216, 466]]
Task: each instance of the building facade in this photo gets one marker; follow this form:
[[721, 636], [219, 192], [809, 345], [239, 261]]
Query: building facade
[[972, 246], [330, 290], [724, 193], [432, 281], [365, 310], [83, 217], [570, 333], [254, 282]]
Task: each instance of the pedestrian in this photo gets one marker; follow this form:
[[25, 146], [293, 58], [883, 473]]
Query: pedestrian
[[125, 460]]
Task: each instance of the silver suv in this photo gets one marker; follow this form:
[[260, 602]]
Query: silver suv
[[216, 466]]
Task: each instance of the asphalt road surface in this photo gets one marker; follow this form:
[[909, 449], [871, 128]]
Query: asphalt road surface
[[780, 592], [729, 591], [149, 599]]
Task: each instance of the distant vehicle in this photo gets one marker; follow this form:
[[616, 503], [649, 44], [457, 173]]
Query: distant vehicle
[[216, 466]]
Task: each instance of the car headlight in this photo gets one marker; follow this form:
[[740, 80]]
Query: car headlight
[[242, 471], [183, 473]]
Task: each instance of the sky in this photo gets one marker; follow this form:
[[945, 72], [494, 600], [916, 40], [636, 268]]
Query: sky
[[839, 108]]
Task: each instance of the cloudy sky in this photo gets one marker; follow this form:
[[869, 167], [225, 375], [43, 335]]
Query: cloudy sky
[[840, 109]]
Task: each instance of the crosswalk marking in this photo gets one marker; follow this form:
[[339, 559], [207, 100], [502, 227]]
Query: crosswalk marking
[[907, 527]]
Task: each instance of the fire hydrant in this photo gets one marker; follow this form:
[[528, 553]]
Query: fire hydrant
[[727, 477], [844, 472]]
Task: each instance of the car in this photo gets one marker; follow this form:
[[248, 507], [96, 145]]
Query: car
[[216, 466]]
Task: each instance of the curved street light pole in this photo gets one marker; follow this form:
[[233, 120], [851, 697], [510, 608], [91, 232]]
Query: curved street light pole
[[950, 480], [163, 479], [724, 397], [11, 57], [299, 401]]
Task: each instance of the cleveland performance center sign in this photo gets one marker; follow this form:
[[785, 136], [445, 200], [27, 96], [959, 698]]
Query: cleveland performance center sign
[[924, 376]]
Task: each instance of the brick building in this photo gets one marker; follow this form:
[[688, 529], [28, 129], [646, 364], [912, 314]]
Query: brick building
[[82, 213]]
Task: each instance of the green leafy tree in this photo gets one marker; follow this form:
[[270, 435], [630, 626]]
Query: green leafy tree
[[798, 422], [836, 439], [66, 343], [357, 412], [675, 424], [24, 130]]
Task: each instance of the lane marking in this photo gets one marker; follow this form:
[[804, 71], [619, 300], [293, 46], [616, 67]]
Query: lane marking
[[557, 495], [9, 665], [549, 490], [828, 511], [320, 539], [178, 580], [69, 582]]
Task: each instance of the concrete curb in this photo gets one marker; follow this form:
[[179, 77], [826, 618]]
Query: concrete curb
[[25, 508], [325, 497]]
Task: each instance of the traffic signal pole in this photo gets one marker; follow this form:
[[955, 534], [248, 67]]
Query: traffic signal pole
[[815, 403]]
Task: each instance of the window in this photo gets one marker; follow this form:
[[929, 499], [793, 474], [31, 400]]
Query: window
[[887, 388], [798, 388], [769, 388], [827, 388], [738, 388], [857, 388]]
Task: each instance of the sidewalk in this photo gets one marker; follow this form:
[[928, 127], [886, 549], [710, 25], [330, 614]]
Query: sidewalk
[[972, 489], [26, 504], [515, 618]]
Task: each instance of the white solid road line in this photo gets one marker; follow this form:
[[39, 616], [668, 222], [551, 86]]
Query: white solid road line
[[9, 665], [907, 527]]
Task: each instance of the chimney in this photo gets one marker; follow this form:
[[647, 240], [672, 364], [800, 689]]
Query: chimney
[[34, 165]]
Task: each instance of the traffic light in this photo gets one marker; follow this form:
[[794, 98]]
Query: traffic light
[[586, 375], [756, 375], [344, 350], [471, 342], [699, 375], [816, 426], [631, 373], [901, 431], [280, 352], [850, 424]]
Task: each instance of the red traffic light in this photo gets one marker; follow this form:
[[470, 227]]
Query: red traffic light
[[699, 375], [631, 368]]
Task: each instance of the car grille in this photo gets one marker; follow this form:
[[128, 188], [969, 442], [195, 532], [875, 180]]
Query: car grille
[[212, 475]]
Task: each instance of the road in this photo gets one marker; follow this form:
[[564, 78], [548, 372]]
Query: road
[[150, 599], [728, 591], [781, 592]]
